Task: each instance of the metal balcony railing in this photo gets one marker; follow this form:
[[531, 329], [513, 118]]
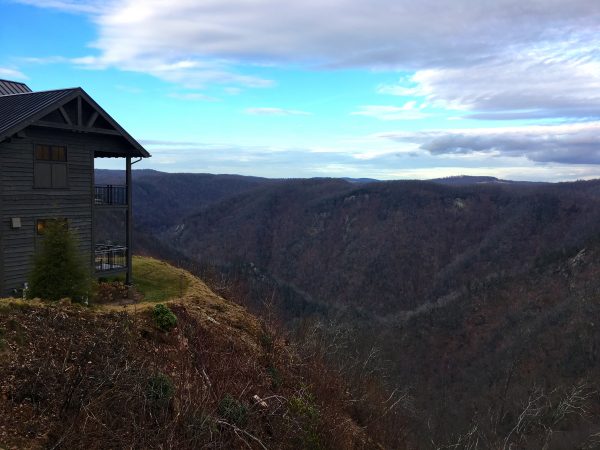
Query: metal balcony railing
[[110, 257], [110, 194]]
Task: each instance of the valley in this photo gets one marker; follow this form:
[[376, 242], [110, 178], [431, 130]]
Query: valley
[[467, 295]]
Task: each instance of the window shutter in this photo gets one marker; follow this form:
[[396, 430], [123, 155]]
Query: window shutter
[[43, 175], [59, 175]]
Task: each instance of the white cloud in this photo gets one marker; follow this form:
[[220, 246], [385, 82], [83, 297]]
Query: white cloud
[[232, 90], [409, 111], [193, 96], [476, 45], [275, 112], [559, 80], [187, 73], [339, 32], [486, 59], [305, 162], [12, 74], [79, 6]]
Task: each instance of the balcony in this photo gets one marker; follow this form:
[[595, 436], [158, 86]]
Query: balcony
[[110, 258], [110, 195]]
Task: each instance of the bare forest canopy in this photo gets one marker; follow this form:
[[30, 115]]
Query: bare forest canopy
[[470, 294]]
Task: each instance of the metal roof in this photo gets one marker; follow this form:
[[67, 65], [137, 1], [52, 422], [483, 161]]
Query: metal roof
[[18, 111], [18, 108], [8, 87]]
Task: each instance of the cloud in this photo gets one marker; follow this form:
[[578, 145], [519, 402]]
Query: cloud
[[549, 81], [285, 162], [565, 144], [337, 33], [461, 50], [88, 7], [12, 74], [409, 111], [169, 143], [187, 73], [193, 96], [44, 60], [232, 90], [275, 112]]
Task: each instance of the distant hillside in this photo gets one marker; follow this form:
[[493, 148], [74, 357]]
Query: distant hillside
[[465, 180], [161, 199], [393, 246], [360, 180]]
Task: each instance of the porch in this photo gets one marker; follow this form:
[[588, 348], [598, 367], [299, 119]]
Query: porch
[[110, 195], [112, 203], [111, 226], [109, 259]]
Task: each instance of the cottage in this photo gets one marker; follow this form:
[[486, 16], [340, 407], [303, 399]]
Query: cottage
[[48, 143]]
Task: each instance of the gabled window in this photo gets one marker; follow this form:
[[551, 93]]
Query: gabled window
[[50, 166]]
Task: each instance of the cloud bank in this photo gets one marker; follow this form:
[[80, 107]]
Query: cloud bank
[[565, 144], [175, 156], [484, 60]]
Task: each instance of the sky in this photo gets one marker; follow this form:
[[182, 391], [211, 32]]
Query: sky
[[386, 89]]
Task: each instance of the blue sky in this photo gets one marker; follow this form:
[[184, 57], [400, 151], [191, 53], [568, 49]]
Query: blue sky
[[384, 89]]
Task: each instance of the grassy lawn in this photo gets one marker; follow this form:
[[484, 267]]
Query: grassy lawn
[[156, 280]]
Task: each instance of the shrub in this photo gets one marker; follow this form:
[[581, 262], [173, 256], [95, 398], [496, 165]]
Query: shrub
[[59, 271], [303, 407], [276, 380], [160, 389], [267, 341], [233, 411], [164, 317]]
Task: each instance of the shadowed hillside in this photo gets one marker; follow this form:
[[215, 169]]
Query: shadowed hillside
[[389, 247], [162, 199]]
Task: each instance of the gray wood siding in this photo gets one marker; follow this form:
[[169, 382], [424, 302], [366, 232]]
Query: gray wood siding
[[19, 198]]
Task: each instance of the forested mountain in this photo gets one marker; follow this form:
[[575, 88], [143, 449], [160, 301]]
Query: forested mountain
[[162, 199], [389, 247], [474, 298]]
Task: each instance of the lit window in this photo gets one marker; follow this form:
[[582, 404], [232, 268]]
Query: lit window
[[42, 224], [51, 153]]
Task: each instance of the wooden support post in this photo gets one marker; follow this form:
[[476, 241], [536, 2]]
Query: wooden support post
[[129, 220], [79, 112]]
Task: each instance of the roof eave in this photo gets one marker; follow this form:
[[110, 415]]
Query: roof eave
[[37, 116], [143, 153]]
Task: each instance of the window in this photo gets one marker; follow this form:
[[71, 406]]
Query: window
[[50, 166], [42, 224]]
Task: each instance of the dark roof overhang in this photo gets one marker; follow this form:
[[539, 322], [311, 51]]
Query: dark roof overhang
[[18, 111]]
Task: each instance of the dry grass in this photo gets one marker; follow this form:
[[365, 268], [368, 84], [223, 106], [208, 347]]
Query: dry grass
[[79, 377]]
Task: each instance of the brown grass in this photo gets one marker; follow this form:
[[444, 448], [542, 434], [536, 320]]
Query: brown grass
[[77, 377]]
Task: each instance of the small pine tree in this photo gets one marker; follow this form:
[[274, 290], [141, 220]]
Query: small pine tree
[[58, 268]]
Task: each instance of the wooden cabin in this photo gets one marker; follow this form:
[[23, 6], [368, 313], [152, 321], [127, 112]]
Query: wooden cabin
[[49, 141]]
